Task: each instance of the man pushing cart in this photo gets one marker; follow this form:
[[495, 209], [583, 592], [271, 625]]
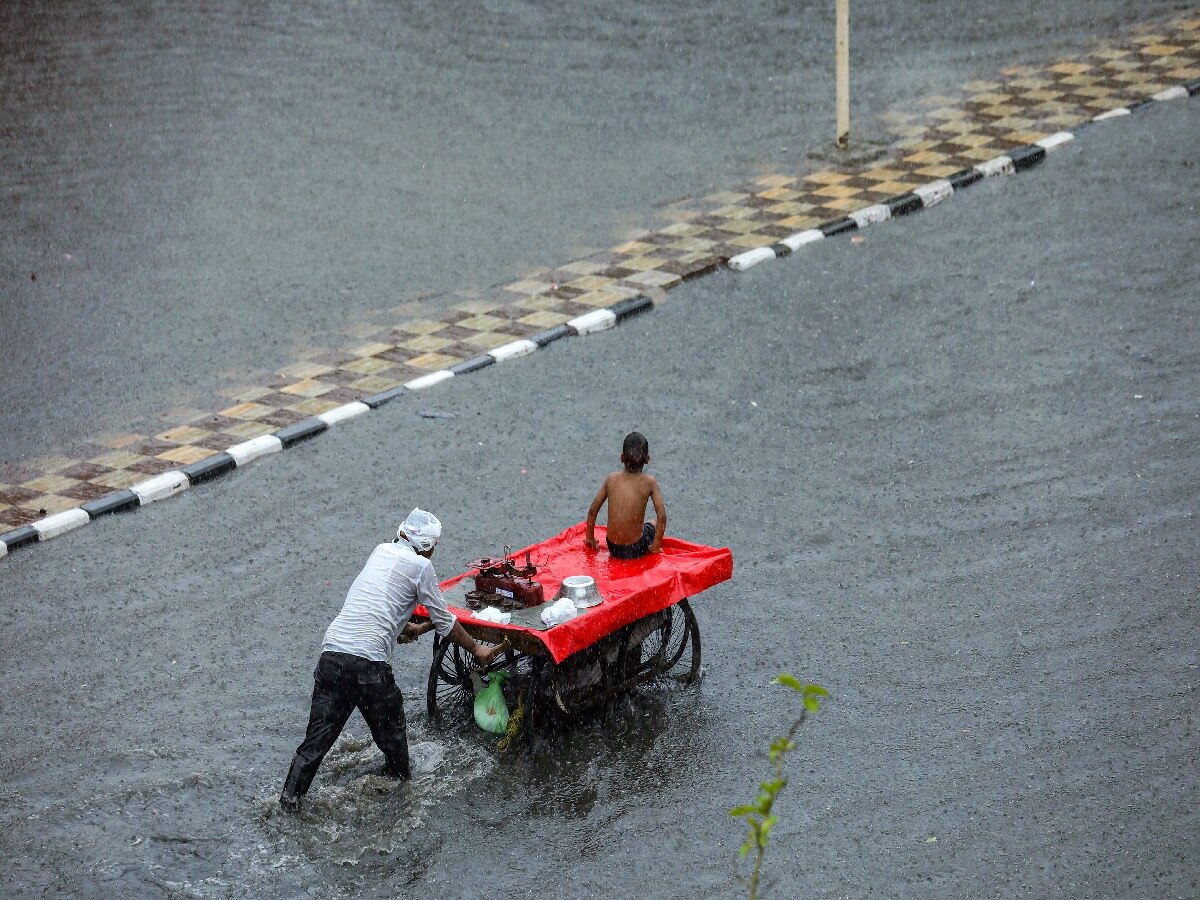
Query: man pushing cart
[[619, 616]]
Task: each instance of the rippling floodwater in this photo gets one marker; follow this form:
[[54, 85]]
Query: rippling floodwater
[[153, 821]]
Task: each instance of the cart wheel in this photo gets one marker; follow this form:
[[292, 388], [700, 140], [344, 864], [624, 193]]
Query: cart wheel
[[449, 685], [676, 637]]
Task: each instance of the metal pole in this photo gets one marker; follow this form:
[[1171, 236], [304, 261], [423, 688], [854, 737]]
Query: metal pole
[[843, 73]]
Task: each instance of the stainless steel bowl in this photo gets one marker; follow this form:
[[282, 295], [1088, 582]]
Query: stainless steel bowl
[[581, 589]]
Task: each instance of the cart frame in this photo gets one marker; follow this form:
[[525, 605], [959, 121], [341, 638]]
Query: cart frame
[[661, 646]]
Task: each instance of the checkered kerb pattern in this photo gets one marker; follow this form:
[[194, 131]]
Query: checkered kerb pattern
[[944, 135]]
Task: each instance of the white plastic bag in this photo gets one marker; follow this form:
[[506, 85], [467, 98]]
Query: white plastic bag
[[560, 611], [492, 614]]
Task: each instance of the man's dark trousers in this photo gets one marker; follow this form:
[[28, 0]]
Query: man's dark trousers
[[343, 682]]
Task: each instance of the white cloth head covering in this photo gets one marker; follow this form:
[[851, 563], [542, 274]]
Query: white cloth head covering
[[422, 529]]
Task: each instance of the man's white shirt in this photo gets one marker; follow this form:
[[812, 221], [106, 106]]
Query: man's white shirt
[[381, 600]]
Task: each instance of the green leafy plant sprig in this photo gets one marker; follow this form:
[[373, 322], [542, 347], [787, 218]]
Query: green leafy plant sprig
[[758, 815]]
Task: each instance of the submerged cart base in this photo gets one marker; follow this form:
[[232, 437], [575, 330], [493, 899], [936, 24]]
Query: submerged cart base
[[644, 632], [663, 647]]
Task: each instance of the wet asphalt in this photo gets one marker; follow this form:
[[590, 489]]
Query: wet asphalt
[[192, 194], [957, 466]]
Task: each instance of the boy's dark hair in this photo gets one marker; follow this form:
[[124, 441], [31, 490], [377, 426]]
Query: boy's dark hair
[[636, 451]]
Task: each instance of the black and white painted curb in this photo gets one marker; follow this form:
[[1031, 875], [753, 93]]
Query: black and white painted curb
[[175, 482], [168, 484], [936, 191]]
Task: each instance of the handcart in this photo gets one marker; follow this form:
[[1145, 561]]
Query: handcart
[[643, 630]]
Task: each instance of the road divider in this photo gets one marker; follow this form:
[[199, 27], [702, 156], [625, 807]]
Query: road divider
[[160, 487], [248, 451], [591, 322], [168, 484], [60, 523], [935, 192], [344, 412], [427, 381]]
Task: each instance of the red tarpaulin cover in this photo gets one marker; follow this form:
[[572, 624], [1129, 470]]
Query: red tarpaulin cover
[[631, 588]]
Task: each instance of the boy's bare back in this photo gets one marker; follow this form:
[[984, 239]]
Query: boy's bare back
[[627, 493]]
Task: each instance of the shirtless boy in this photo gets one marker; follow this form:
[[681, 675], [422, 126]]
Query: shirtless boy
[[629, 535]]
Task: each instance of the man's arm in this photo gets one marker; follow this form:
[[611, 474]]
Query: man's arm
[[458, 634], [411, 631], [660, 513], [483, 655], [444, 621], [593, 511]]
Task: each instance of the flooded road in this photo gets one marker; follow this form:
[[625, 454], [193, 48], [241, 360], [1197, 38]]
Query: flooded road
[[180, 820], [194, 193], [955, 464]]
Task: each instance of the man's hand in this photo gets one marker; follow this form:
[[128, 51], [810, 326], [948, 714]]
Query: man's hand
[[655, 548], [591, 542], [411, 631], [485, 655]]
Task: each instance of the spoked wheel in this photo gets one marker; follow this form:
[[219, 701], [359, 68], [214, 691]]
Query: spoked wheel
[[449, 687], [674, 647]]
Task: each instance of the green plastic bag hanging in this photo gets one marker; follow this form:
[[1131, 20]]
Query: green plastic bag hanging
[[491, 712]]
